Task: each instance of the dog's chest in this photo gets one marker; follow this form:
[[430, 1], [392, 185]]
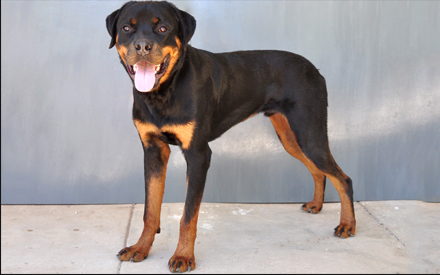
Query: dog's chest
[[181, 132]]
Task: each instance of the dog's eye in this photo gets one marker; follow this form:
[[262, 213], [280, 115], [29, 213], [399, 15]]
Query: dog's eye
[[126, 28], [163, 29]]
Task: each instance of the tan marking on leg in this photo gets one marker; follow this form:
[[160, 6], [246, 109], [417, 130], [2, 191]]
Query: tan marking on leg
[[183, 132], [288, 139], [156, 187], [347, 223], [183, 257], [289, 142], [286, 135]]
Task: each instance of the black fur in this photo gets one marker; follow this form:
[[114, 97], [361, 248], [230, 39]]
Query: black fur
[[215, 91]]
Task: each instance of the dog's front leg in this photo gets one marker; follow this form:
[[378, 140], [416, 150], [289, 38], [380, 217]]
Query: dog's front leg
[[156, 154], [198, 159]]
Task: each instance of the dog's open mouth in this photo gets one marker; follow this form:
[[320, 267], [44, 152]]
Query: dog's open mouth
[[147, 75]]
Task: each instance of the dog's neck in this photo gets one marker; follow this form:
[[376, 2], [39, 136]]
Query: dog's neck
[[159, 102]]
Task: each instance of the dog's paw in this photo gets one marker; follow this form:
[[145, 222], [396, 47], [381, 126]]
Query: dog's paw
[[311, 207], [181, 263], [345, 230], [134, 253]]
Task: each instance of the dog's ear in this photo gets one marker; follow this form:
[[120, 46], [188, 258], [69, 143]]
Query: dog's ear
[[111, 22], [187, 24], [111, 26]]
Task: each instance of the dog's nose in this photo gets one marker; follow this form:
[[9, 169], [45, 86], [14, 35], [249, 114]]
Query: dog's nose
[[142, 47]]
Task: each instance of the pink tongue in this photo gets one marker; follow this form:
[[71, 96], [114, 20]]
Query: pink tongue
[[145, 76]]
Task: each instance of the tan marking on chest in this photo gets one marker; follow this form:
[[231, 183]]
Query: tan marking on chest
[[145, 131], [183, 132]]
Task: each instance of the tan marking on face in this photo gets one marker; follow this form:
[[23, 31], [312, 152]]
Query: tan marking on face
[[174, 53], [183, 132], [155, 20], [133, 21], [122, 50]]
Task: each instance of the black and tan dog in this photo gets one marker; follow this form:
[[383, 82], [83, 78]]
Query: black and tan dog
[[188, 97]]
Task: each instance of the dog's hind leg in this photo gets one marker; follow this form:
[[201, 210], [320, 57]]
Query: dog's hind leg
[[288, 139], [309, 143]]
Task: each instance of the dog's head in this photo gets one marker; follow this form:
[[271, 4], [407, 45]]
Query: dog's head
[[150, 38]]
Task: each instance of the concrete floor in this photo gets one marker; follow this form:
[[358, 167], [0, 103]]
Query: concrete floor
[[391, 237]]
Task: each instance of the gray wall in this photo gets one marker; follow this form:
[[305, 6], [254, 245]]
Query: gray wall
[[67, 134]]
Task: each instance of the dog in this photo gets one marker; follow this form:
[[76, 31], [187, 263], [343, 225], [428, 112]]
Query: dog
[[188, 97]]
